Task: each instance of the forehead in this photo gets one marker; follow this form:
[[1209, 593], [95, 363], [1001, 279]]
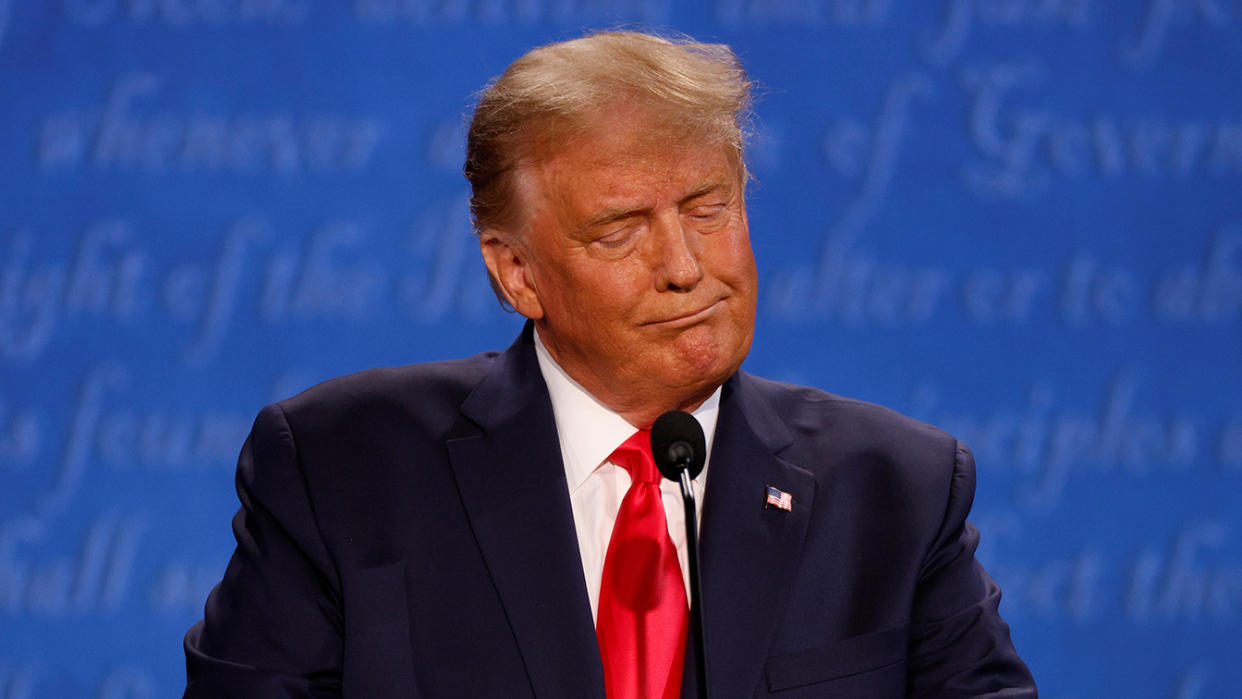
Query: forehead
[[627, 162]]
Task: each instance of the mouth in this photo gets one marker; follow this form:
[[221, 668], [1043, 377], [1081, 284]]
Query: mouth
[[690, 318]]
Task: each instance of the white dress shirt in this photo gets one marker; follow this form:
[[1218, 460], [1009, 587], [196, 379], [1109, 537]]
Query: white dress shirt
[[589, 432]]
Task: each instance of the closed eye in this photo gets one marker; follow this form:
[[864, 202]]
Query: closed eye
[[612, 243], [708, 216], [707, 211], [616, 239]]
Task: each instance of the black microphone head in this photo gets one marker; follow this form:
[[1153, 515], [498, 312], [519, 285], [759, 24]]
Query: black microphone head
[[677, 442]]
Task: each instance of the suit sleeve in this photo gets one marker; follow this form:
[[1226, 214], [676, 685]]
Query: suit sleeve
[[272, 627], [959, 645]]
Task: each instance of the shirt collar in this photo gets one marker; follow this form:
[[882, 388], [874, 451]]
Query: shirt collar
[[588, 430]]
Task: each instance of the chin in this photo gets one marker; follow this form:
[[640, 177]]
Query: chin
[[706, 366]]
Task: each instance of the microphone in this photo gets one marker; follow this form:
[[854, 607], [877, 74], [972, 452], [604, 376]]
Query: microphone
[[677, 444], [680, 450]]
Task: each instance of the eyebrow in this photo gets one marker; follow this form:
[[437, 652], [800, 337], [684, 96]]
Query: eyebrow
[[705, 187], [616, 213]]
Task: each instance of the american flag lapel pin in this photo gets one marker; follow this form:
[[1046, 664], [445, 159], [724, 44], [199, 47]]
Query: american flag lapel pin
[[779, 499]]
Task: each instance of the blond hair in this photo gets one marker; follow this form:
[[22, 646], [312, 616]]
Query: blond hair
[[555, 92]]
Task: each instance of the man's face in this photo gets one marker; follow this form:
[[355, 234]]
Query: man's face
[[634, 260]]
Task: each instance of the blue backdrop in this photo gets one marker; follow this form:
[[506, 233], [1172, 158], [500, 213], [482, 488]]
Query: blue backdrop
[[1017, 219]]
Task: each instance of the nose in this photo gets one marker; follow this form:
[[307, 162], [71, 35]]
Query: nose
[[676, 255]]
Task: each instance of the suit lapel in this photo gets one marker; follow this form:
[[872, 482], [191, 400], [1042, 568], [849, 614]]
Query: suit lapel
[[749, 552], [512, 481]]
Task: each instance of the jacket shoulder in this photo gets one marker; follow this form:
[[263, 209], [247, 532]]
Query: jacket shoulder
[[855, 430], [811, 411], [429, 393]]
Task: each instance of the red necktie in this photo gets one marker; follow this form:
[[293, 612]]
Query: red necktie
[[642, 619]]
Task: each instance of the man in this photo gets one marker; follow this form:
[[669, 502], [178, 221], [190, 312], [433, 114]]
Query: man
[[467, 528]]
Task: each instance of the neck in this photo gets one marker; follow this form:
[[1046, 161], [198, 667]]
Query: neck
[[639, 409], [644, 415]]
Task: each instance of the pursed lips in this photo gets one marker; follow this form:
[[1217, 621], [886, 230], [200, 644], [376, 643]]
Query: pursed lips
[[690, 318]]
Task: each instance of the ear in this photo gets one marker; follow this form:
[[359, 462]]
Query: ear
[[511, 273]]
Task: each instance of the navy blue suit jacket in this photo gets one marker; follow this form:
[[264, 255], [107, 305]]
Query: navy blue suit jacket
[[407, 533]]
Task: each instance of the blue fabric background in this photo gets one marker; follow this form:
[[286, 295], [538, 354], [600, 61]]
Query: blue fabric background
[[1016, 219]]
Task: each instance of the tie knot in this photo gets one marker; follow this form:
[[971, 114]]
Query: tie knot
[[634, 455]]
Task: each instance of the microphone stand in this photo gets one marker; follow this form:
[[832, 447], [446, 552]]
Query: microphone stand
[[679, 450], [696, 587]]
